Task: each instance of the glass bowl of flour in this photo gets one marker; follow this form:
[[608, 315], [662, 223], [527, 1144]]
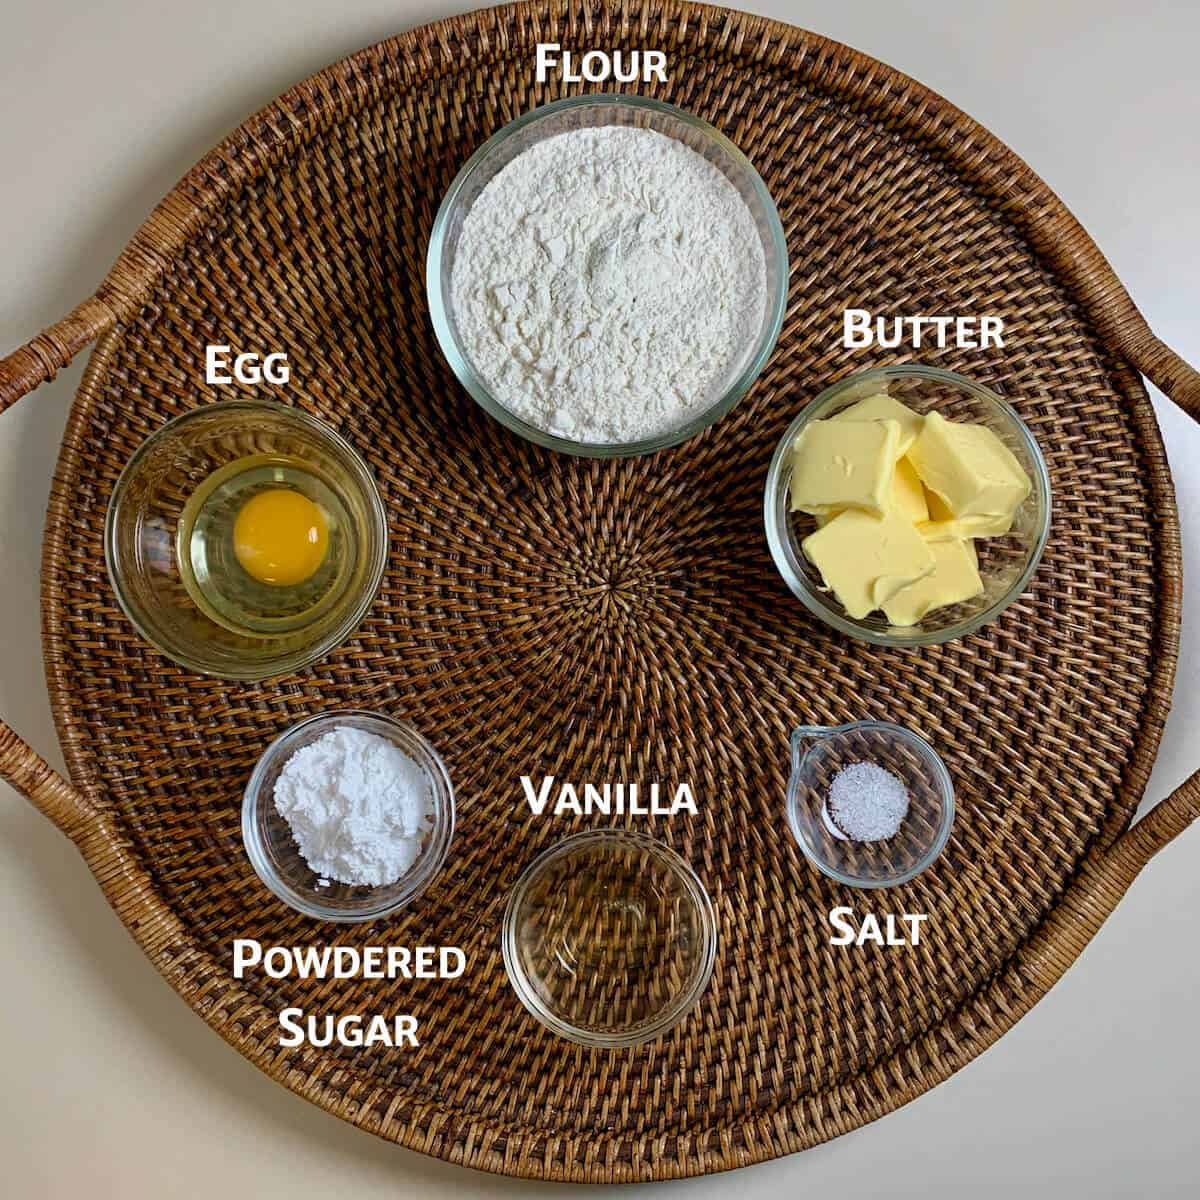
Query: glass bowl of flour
[[348, 815], [607, 275]]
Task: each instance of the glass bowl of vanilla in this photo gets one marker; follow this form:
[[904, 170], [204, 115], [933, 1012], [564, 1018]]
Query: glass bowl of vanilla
[[245, 538], [907, 506]]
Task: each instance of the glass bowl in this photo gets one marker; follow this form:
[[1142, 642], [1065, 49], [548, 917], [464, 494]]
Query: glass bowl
[[609, 938], [148, 512], [588, 112], [819, 752], [1006, 563], [273, 852]]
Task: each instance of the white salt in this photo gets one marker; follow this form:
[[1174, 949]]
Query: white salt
[[867, 803]]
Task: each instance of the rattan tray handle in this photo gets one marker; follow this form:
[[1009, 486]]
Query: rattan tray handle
[[41, 359], [1106, 878], [42, 785]]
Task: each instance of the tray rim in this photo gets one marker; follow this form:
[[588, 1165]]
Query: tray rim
[[1048, 949]]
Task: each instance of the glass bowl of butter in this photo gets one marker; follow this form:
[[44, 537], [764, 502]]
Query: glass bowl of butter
[[907, 506]]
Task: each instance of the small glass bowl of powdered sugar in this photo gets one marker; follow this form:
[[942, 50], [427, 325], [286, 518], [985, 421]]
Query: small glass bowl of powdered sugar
[[348, 815], [607, 275], [870, 803]]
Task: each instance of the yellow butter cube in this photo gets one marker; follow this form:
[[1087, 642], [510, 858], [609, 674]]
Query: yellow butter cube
[[969, 468], [844, 464], [944, 526], [955, 578], [908, 496], [883, 407], [866, 559], [958, 529]]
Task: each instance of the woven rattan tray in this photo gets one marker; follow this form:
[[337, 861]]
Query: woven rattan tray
[[622, 619]]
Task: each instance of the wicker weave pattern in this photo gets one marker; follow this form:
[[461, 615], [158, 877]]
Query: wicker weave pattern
[[622, 620]]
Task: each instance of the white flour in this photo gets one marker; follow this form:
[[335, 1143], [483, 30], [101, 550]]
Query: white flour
[[357, 805], [607, 283]]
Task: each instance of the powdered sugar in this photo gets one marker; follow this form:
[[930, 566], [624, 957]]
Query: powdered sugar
[[608, 283], [867, 803], [357, 805]]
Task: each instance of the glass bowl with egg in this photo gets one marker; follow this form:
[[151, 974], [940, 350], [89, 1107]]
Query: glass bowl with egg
[[245, 538], [907, 506], [630, 219]]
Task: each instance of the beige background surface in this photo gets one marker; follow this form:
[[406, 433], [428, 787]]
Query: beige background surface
[[110, 1085]]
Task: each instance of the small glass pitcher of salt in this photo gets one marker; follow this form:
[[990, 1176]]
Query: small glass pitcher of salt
[[870, 803]]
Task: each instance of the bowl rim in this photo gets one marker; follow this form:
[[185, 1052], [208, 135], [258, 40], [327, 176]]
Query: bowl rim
[[460, 363], [780, 545], [940, 771], [400, 733], [674, 1013], [282, 664]]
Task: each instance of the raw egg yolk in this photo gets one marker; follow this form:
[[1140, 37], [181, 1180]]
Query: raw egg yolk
[[280, 537]]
